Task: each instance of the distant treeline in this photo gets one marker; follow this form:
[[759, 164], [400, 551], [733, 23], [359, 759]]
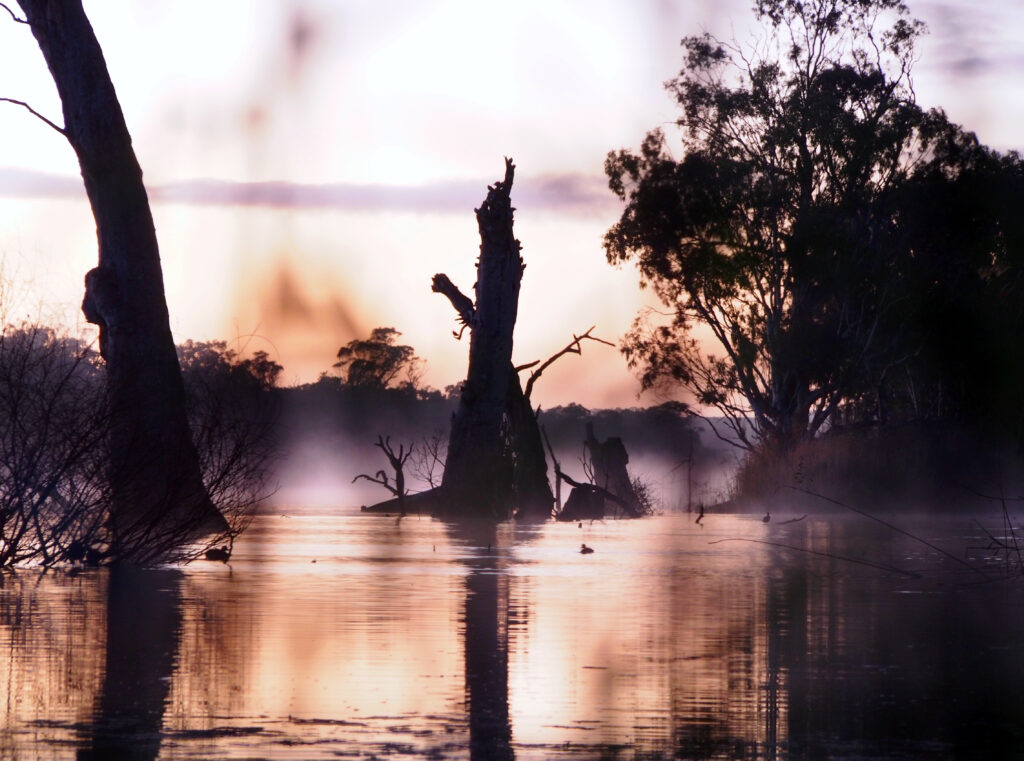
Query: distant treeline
[[333, 407], [342, 421]]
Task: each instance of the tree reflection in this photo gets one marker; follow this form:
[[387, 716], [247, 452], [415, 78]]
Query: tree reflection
[[486, 642], [143, 630]]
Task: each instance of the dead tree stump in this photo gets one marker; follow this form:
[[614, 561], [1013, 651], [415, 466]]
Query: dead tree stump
[[489, 467]]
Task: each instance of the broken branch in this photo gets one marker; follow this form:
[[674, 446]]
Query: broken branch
[[397, 460], [34, 113], [14, 16], [572, 348], [463, 305]]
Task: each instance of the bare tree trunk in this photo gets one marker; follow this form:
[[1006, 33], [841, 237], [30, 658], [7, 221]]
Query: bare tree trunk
[[530, 475], [608, 459], [496, 456], [478, 471], [158, 494]]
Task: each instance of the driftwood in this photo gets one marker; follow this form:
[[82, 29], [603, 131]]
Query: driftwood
[[610, 483], [422, 503], [587, 501]]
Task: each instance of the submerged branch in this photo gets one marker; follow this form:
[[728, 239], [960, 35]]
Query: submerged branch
[[891, 527], [830, 555]]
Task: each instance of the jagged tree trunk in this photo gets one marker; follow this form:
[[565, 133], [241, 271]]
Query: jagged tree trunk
[[496, 456], [157, 492], [478, 471]]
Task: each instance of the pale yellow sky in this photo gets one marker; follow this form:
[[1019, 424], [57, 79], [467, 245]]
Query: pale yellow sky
[[313, 164]]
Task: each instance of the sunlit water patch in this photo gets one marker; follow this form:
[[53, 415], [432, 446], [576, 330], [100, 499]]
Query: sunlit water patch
[[349, 636]]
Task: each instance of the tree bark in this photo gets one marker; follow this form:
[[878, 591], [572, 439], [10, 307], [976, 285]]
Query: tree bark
[[158, 495], [533, 495]]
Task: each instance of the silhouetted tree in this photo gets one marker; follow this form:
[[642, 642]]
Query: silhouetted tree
[[379, 362], [774, 228], [961, 320], [54, 489], [233, 410], [397, 462], [495, 461], [495, 457], [156, 483]]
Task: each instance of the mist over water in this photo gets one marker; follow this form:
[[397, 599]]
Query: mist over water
[[324, 449]]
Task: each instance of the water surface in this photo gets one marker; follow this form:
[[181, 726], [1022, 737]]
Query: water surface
[[348, 636]]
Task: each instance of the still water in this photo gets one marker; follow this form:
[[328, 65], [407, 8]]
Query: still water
[[347, 636]]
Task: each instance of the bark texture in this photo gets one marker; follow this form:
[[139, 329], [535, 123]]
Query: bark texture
[[158, 494], [533, 495]]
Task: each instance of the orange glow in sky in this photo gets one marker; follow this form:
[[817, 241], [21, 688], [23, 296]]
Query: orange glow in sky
[[312, 164]]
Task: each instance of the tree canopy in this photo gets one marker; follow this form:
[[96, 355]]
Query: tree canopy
[[782, 226], [379, 361]]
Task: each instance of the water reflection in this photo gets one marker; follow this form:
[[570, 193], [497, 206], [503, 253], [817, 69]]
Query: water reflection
[[143, 627], [485, 637], [423, 639]]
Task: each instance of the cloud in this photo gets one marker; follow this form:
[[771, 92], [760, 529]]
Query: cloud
[[572, 193], [31, 184], [971, 40]]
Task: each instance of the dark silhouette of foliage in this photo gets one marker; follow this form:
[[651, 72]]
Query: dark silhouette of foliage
[[962, 316], [379, 362], [52, 427], [233, 409], [55, 488], [774, 230]]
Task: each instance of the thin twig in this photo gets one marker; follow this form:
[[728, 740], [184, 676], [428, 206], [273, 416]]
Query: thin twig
[[558, 469], [572, 348], [1013, 533], [14, 17], [833, 556], [891, 527], [35, 113]]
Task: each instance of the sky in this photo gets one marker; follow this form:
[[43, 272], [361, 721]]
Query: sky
[[312, 163]]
